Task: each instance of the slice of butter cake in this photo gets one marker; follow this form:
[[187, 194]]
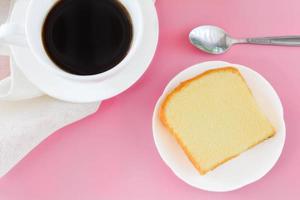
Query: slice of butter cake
[[214, 118]]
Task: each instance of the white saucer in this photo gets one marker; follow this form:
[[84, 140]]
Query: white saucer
[[89, 91], [246, 168]]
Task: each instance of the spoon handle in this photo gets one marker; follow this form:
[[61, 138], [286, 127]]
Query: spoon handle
[[281, 40]]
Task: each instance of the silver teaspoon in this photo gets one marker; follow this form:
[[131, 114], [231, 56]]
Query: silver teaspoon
[[215, 40]]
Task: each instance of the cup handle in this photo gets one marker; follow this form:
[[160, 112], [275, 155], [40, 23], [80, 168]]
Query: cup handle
[[12, 34], [16, 86]]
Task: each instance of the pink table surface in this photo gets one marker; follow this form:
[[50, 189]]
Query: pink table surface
[[111, 155]]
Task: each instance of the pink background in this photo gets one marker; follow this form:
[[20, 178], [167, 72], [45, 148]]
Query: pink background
[[111, 155]]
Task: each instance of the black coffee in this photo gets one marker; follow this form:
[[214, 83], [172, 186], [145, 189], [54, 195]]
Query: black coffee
[[87, 37]]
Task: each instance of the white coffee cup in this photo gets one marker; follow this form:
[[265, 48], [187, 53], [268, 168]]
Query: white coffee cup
[[29, 35]]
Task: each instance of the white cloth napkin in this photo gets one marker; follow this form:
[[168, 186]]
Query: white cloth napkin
[[25, 124]]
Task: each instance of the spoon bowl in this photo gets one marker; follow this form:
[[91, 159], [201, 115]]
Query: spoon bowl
[[210, 39]]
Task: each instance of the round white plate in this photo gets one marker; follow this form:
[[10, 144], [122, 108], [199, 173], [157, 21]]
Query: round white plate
[[89, 91], [247, 168]]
